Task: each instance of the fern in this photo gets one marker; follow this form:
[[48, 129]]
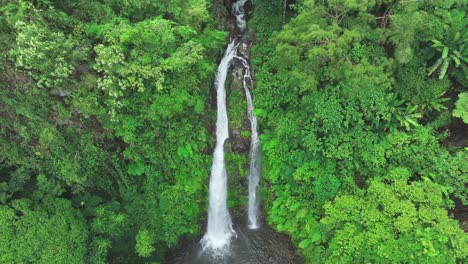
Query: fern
[[461, 109]]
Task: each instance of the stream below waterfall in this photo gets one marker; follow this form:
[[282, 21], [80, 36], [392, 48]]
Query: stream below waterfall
[[259, 246]]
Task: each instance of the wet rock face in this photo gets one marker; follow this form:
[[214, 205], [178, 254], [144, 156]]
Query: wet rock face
[[237, 125], [239, 144], [222, 12], [261, 246]]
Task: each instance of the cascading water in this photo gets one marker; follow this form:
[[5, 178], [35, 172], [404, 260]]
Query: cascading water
[[239, 12], [254, 153], [219, 231]]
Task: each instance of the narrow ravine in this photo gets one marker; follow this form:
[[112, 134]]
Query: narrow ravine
[[241, 242], [217, 238]]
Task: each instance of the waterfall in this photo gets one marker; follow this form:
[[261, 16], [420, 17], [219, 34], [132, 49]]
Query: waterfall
[[239, 13], [219, 231], [254, 153]]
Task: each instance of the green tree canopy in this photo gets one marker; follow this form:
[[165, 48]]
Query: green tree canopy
[[393, 222], [51, 231]]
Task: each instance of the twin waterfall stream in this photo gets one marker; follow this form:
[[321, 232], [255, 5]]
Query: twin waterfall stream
[[224, 241], [220, 229]]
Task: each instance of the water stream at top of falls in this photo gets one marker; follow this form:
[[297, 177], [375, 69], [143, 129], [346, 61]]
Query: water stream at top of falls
[[220, 230], [239, 12]]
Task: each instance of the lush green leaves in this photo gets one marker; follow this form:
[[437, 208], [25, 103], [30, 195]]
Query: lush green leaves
[[348, 99], [48, 232], [393, 222], [461, 109], [104, 144], [103, 103]]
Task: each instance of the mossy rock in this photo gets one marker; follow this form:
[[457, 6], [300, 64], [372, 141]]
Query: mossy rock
[[236, 167], [237, 103]]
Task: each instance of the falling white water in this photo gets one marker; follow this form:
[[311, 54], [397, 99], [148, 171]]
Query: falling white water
[[239, 12], [219, 232], [254, 153]]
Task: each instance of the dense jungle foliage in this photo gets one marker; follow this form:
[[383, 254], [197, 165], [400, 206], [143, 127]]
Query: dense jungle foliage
[[355, 99], [106, 127], [104, 152]]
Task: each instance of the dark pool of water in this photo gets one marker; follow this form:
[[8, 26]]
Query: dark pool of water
[[259, 246]]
